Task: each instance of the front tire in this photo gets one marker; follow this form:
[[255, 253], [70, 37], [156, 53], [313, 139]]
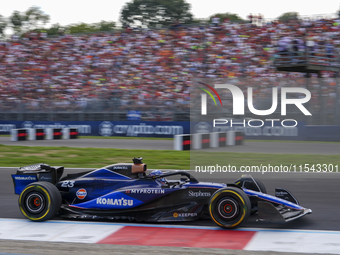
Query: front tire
[[261, 186], [40, 201], [229, 207]]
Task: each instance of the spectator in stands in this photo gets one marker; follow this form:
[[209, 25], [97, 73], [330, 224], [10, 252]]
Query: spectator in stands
[[148, 69], [215, 21]]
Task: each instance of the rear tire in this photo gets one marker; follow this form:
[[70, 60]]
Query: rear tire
[[40, 201], [229, 207]]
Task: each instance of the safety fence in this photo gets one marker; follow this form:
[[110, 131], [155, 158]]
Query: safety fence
[[301, 132], [31, 134], [207, 140]]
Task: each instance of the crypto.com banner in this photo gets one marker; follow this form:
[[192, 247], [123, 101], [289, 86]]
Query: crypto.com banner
[[264, 108]]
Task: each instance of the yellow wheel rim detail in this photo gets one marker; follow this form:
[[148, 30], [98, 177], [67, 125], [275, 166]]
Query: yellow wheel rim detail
[[48, 199], [243, 213]]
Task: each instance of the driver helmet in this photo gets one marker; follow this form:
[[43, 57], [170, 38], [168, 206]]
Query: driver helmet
[[156, 173]]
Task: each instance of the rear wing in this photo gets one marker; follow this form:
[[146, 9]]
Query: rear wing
[[33, 173]]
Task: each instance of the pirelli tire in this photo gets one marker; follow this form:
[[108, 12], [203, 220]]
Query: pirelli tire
[[229, 207], [40, 201]]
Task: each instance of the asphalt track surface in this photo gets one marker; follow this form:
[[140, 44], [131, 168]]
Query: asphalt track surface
[[51, 248], [317, 191], [248, 147]]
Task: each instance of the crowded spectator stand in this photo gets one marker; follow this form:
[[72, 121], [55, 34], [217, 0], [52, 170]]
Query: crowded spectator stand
[[151, 70]]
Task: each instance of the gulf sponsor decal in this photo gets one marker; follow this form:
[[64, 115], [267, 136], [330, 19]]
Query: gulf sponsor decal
[[81, 193]]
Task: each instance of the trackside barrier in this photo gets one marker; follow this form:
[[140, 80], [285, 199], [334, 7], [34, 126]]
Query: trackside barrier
[[70, 133], [32, 134], [19, 134], [235, 138], [239, 137], [182, 142], [218, 139], [214, 143], [36, 134], [201, 141], [208, 140], [222, 139], [231, 138], [53, 133]]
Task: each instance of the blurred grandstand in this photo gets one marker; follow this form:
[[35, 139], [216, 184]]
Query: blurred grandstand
[[102, 76]]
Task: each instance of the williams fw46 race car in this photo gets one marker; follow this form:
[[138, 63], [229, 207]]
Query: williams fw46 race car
[[124, 191]]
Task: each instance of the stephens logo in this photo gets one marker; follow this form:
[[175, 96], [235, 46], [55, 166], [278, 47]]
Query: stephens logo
[[81, 193], [199, 194]]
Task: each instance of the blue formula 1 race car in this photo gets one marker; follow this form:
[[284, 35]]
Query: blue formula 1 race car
[[125, 191]]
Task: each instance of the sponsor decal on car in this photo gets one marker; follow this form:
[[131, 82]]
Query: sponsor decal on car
[[145, 191], [81, 193], [120, 167], [45, 178], [21, 178], [281, 193], [184, 215], [199, 194], [111, 201]]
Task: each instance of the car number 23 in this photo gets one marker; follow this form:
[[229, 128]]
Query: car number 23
[[67, 184]]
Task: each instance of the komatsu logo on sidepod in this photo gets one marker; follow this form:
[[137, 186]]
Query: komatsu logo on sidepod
[[111, 201]]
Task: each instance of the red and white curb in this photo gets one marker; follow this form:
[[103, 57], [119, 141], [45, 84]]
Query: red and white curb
[[171, 235]]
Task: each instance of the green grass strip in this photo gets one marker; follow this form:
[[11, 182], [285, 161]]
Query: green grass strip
[[16, 156]]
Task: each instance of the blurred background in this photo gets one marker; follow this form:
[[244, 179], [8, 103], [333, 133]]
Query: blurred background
[[141, 68]]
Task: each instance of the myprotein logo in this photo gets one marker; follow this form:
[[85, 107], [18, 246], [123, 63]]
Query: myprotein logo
[[238, 100], [146, 191]]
